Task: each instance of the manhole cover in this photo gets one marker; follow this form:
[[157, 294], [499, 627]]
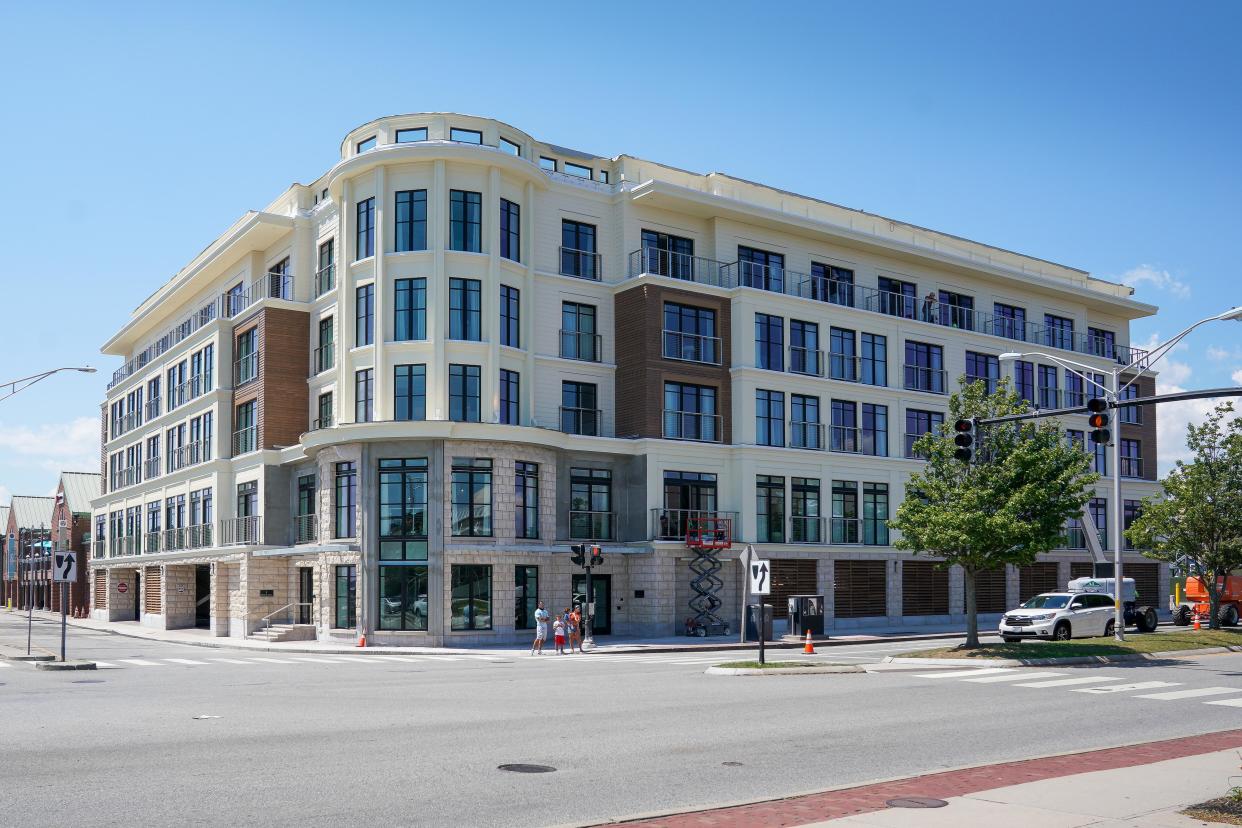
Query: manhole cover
[[519, 768], [916, 802], [732, 764]]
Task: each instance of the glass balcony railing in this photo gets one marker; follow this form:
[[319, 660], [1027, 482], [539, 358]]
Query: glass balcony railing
[[240, 531], [582, 345], [675, 524], [691, 425], [806, 529], [583, 264], [586, 525], [844, 439], [809, 361], [806, 435], [580, 420], [305, 529], [688, 347], [920, 378]]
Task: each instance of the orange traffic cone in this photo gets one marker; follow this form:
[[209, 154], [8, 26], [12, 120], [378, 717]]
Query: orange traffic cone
[[809, 649], [362, 641], [1196, 622]]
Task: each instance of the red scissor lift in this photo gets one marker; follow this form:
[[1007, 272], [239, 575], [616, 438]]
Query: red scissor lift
[[706, 536]]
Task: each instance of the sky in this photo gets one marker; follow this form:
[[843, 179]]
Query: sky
[[1102, 135]]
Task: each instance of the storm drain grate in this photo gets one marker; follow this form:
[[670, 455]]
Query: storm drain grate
[[916, 802], [521, 768]]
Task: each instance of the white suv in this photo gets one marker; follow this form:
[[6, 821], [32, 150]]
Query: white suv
[[1060, 616]]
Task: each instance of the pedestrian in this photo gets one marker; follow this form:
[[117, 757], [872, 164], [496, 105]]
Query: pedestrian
[[929, 307], [541, 629], [575, 628], [558, 634]]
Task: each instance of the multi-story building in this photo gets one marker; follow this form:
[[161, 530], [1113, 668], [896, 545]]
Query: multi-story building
[[71, 529], [388, 402], [28, 560]]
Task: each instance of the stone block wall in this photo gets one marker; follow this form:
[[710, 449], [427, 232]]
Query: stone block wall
[[179, 596]]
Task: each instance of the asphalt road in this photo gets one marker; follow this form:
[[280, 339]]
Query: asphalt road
[[379, 742]]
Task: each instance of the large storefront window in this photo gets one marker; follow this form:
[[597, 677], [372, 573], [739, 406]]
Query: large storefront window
[[525, 596], [403, 597], [526, 500], [472, 598], [472, 497], [345, 617], [403, 509], [346, 500]]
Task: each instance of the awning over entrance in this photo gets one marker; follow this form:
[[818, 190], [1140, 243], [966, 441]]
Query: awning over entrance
[[304, 549]]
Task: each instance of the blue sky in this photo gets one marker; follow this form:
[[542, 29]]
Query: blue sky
[[1104, 135]]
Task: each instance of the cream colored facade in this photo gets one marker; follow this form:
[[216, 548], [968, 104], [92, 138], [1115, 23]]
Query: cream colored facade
[[253, 567]]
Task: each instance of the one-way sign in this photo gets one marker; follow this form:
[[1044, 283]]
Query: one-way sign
[[66, 569], [760, 583]]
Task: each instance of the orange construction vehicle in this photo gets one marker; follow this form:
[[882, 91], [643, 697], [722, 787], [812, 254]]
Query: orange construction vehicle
[[1196, 606]]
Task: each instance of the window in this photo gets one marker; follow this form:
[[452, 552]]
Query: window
[[345, 600], [1101, 342], [464, 393], [472, 497], [1130, 510], [466, 136], [667, 255], [325, 354], [769, 418], [403, 597], [1024, 380], [804, 354], [346, 500], [365, 145], [325, 411], [1049, 396], [1131, 458], [1009, 321], [525, 595], [845, 511], [1076, 438], [403, 512], [875, 514], [510, 395], [896, 298], [983, 368], [364, 395], [411, 216], [325, 274], [579, 408], [472, 598], [603, 176], [307, 487], [690, 412], [1098, 506], [874, 430], [842, 358], [410, 136], [546, 163], [578, 256], [465, 300], [1073, 389], [579, 339], [509, 147], [526, 500], [769, 342], [246, 368], [844, 426], [957, 310], [873, 367], [1058, 331], [690, 334], [153, 398], [410, 310], [364, 323], [246, 438], [1100, 451], [919, 423], [409, 392], [465, 221], [832, 284], [1128, 413], [805, 429], [770, 508], [590, 504], [364, 232], [805, 517], [924, 367], [510, 317], [760, 269], [510, 230], [578, 170]]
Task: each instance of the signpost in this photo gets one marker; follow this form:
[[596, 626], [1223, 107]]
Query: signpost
[[64, 572], [760, 584]]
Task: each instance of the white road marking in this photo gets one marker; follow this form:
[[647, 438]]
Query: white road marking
[[1126, 688], [974, 671], [273, 660], [185, 661], [1066, 682], [1010, 677], [1227, 702], [231, 661], [138, 662], [105, 665], [318, 659], [397, 658], [1191, 694]]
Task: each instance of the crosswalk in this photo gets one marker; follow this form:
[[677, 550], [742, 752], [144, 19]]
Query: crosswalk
[[1094, 684]]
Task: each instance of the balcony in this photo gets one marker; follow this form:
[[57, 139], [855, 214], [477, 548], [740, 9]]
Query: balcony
[[920, 378], [99, 549], [580, 420], [325, 280], [809, 361], [582, 264], [806, 529], [121, 478], [688, 347], [674, 524], [691, 425], [245, 440], [806, 435], [322, 422], [844, 439], [127, 422], [989, 383], [246, 370], [305, 529], [585, 525], [179, 395], [1075, 538], [1048, 398], [153, 408], [844, 367], [174, 335], [910, 453], [151, 543], [240, 531], [324, 358], [191, 454], [846, 530], [1132, 467], [125, 546], [655, 262], [588, 347]]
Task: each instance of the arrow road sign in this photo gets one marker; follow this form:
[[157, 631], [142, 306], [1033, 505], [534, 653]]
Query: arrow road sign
[[760, 584], [66, 567]]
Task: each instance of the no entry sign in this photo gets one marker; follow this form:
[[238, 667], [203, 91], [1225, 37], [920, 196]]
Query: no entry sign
[[122, 587]]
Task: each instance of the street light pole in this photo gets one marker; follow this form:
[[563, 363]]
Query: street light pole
[[14, 386]]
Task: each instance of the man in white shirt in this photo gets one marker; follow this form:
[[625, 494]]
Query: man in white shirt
[[541, 629]]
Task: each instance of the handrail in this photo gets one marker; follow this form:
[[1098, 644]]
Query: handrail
[[267, 619]]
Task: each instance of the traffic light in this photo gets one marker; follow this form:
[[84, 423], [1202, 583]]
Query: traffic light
[[597, 557], [964, 438], [578, 554], [1098, 420]]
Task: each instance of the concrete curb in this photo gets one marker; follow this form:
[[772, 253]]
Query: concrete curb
[[1068, 660], [832, 669], [65, 665], [31, 658]]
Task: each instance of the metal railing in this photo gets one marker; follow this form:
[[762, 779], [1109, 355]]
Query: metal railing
[[1048, 398], [99, 549], [191, 454], [245, 440], [121, 478], [691, 425], [151, 542], [673, 524], [325, 280], [321, 422], [988, 382], [580, 420], [808, 361], [1074, 538], [1132, 467], [656, 262], [324, 358], [126, 422], [246, 369], [688, 347], [846, 530], [240, 530], [910, 453], [806, 435], [844, 367], [266, 620], [171, 337], [153, 408], [919, 378], [305, 529], [584, 264], [844, 438], [581, 345], [586, 525], [806, 529], [179, 395]]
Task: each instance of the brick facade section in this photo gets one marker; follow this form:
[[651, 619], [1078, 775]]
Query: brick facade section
[[642, 369], [1145, 431], [281, 394], [72, 536]]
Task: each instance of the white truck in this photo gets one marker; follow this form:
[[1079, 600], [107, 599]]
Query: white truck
[[1084, 610]]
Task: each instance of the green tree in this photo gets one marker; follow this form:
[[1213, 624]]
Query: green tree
[[1005, 508], [1198, 518]]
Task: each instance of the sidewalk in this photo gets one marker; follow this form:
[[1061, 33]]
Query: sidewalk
[[609, 644], [1137, 786]]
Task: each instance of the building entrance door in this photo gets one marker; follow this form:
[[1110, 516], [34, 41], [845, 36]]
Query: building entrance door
[[306, 593], [202, 596], [602, 587], [137, 595]]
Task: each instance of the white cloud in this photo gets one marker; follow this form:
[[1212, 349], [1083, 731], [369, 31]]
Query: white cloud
[[1236, 376], [1159, 279], [1174, 372], [1171, 421], [6, 497], [42, 452]]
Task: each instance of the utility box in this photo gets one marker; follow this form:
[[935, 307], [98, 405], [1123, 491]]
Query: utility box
[[752, 630], [806, 612]]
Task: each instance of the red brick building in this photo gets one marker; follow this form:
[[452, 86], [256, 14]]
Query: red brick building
[[71, 529], [30, 521]]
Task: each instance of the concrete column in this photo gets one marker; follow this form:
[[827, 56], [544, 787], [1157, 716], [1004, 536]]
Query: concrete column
[[957, 592], [489, 383], [527, 309], [1013, 586], [344, 398], [892, 572], [381, 405], [1063, 574]]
